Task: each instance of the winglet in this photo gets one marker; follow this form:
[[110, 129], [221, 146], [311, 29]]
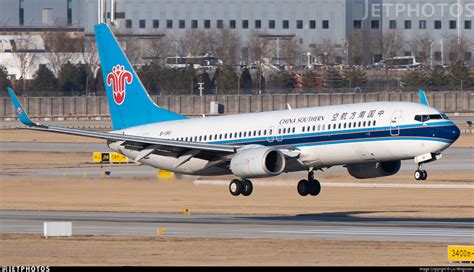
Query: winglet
[[423, 99], [19, 111]]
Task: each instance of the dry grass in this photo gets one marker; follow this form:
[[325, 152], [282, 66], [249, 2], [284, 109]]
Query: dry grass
[[34, 159], [24, 135], [129, 251]]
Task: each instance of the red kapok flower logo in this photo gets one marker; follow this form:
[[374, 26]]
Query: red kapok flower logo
[[19, 111], [118, 79]]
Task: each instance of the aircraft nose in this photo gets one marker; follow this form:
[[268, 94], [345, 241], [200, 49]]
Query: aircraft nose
[[456, 132]]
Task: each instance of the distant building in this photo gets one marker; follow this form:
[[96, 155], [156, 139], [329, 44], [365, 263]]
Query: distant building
[[335, 31]]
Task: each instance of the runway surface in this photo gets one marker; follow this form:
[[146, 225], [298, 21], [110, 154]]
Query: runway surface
[[334, 226]]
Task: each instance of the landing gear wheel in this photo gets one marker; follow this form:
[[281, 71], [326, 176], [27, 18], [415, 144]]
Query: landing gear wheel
[[418, 174], [424, 175], [315, 187], [247, 188], [303, 187], [236, 187]]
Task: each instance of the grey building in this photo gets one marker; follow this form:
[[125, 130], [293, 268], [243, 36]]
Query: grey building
[[341, 31]]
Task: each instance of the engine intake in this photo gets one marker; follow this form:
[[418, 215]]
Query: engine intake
[[258, 162], [374, 169]]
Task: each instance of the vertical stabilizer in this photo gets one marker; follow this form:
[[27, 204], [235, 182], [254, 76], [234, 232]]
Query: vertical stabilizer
[[129, 102]]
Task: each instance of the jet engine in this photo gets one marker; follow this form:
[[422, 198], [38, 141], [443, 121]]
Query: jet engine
[[374, 169], [258, 162]]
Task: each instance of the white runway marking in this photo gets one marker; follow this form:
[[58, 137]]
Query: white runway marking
[[348, 184]]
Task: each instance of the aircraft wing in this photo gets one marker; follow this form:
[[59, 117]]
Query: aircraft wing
[[138, 142]]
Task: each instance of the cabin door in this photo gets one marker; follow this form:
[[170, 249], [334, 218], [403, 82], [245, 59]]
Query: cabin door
[[395, 123]]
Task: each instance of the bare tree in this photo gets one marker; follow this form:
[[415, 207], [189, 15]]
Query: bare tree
[[24, 53], [211, 41], [90, 54], [227, 44], [60, 48], [325, 50], [457, 48], [291, 50], [355, 47], [391, 43], [193, 42], [421, 45], [260, 47], [156, 48]]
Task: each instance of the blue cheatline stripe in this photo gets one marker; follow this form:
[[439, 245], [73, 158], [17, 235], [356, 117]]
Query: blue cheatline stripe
[[414, 132], [378, 139]]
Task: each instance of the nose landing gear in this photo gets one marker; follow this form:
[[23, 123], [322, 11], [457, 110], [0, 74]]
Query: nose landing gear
[[420, 174]]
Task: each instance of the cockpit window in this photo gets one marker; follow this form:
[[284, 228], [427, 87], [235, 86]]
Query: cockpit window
[[427, 117], [444, 116]]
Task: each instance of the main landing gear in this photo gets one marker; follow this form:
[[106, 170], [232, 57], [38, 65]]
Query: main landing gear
[[310, 186], [240, 187], [420, 174]]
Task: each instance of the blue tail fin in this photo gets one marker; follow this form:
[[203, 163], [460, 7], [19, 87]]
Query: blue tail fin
[[129, 103], [423, 99]]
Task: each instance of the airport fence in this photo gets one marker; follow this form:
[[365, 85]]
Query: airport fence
[[96, 107]]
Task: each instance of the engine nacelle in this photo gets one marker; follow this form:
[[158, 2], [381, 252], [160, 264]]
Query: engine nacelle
[[374, 169], [258, 162]]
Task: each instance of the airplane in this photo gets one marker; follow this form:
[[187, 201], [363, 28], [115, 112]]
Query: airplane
[[369, 139]]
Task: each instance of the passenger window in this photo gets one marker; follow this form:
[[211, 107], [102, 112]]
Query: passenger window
[[284, 130], [259, 132], [200, 138], [294, 129], [340, 125], [279, 131], [373, 123], [270, 132], [319, 127], [264, 132], [324, 127], [303, 128], [314, 128], [240, 134]]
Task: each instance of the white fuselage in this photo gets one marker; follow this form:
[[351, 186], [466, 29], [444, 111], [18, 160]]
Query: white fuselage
[[323, 136]]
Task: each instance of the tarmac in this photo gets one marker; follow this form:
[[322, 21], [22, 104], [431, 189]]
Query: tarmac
[[330, 227]]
